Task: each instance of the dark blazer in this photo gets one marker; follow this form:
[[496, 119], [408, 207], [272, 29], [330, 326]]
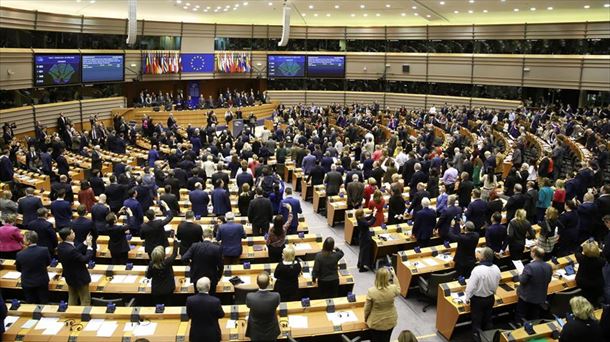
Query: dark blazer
[[221, 175], [333, 182], [260, 212], [62, 212], [534, 282], [98, 215], [425, 221], [153, 233], [27, 206], [138, 213], [576, 330], [199, 202], [46, 235], [188, 233], [74, 261], [477, 213], [444, 221], [495, 236], [244, 177], [162, 279], [81, 227], [466, 246], [516, 201], [116, 194], [206, 261], [221, 201], [6, 169], [32, 262], [117, 242], [98, 186], [230, 235], [62, 165], [262, 321], [204, 312], [172, 203]]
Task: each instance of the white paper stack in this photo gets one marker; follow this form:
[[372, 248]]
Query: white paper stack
[[341, 317], [12, 275], [9, 320], [298, 322], [96, 277]]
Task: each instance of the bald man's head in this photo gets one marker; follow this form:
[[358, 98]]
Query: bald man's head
[[262, 280]]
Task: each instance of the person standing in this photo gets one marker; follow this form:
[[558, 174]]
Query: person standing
[[355, 193], [589, 276], [74, 261], [533, 286], [295, 205], [11, 240], [379, 310], [32, 262], [519, 228], [205, 260], [480, 290], [199, 201], [333, 181], [276, 236], [188, 232], [220, 199], [28, 207], [262, 320], [204, 311], [467, 242], [287, 276], [153, 230], [117, 242], [260, 213], [584, 326], [229, 235], [46, 235], [365, 255], [61, 210], [325, 269], [423, 226], [161, 272]]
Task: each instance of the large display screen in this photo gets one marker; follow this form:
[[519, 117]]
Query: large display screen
[[103, 68], [197, 62], [56, 69], [326, 66], [233, 62], [279, 66]]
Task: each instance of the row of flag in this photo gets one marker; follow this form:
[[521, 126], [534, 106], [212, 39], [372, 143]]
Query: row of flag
[[162, 62], [233, 62]]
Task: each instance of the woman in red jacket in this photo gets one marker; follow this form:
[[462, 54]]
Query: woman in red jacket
[[377, 203], [86, 196], [11, 240]]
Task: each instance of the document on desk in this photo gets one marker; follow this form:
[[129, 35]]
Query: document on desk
[[45, 322], [231, 324], [298, 322], [29, 324], [107, 329], [386, 236], [9, 320], [52, 274], [444, 257], [167, 228], [53, 328], [145, 329], [302, 246], [530, 243], [429, 261], [307, 275], [96, 277], [12, 275], [518, 265], [130, 279], [340, 317], [117, 279], [94, 324]]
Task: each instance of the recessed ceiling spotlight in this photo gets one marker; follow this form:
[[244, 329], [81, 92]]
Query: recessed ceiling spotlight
[[328, 14], [365, 15], [484, 11], [216, 11], [185, 7], [77, 0], [516, 10], [606, 5], [336, 6], [188, 3], [471, 1], [270, 3], [388, 5], [177, 1], [315, 14], [442, 2], [416, 14], [304, 14], [226, 9], [245, 3], [236, 5], [414, 7], [195, 9], [456, 11], [362, 6], [197, 6], [310, 6], [470, 11], [377, 14], [205, 10], [428, 16], [353, 15], [533, 9], [587, 6], [503, 0], [403, 14], [92, 1], [235, 8], [549, 8]]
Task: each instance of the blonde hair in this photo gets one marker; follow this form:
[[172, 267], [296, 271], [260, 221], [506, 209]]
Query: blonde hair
[[559, 183], [521, 214], [245, 188], [372, 181], [382, 278], [359, 214], [551, 213], [581, 308], [288, 253], [591, 249], [157, 256], [6, 194]]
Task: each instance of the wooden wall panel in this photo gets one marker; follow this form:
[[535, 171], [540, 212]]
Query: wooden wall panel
[[23, 117], [556, 31], [596, 73], [234, 31], [104, 26], [324, 32], [552, 71], [198, 30], [361, 33], [407, 33], [409, 101], [598, 30], [16, 19], [133, 64], [484, 32], [325, 98], [102, 107], [450, 32], [58, 22], [287, 97], [417, 66], [356, 63], [449, 68], [16, 69], [495, 103], [259, 64], [160, 28], [363, 97], [47, 114], [497, 70], [439, 100]]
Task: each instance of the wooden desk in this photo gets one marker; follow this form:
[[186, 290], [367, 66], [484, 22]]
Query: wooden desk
[[335, 208], [173, 323], [297, 175], [289, 167], [448, 311], [542, 331], [33, 179]]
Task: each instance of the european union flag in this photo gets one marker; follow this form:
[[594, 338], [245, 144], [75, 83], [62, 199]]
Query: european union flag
[[197, 62]]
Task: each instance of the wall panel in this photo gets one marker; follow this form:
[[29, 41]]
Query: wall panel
[[598, 30], [102, 107], [556, 31], [58, 22], [324, 98], [596, 73], [47, 114], [17, 19], [552, 71], [160, 28], [360, 33], [449, 68], [198, 30], [363, 97], [504, 70], [407, 33], [410, 101], [16, 69], [23, 117], [495, 103], [356, 63], [104, 26], [287, 97], [483, 32], [234, 31], [325, 32], [450, 32], [417, 66], [133, 64]]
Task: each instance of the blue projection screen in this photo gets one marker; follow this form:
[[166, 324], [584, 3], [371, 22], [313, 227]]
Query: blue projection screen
[[326, 66], [103, 68], [56, 69], [285, 66]]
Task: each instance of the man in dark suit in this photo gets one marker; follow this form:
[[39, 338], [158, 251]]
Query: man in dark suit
[[199, 201], [355, 193], [418, 177], [204, 311], [533, 286], [477, 210], [333, 181], [136, 208], [295, 204], [97, 183], [417, 197], [206, 260], [46, 235], [171, 200], [453, 211], [61, 210], [62, 165], [467, 241], [220, 199], [464, 190], [116, 194], [425, 221], [32, 262], [244, 177], [6, 167], [230, 234], [260, 213], [316, 174], [188, 232], [62, 184], [514, 202], [220, 174], [28, 205], [153, 230], [262, 321], [82, 226], [74, 259]]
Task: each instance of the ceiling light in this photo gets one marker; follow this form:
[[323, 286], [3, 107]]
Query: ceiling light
[[270, 3], [185, 7], [235, 8], [77, 0], [353, 15], [471, 1], [377, 14], [310, 6], [365, 15], [197, 6], [606, 5], [215, 11], [362, 6], [587, 6], [236, 5], [92, 1], [484, 11], [207, 7], [503, 0], [516, 10], [388, 5], [403, 14], [428, 16], [315, 14], [414, 7], [336, 6], [328, 14], [188, 3], [205, 10], [442, 2], [245, 3], [456, 11], [304, 14], [177, 1], [550, 8], [195, 9], [416, 14], [470, 11]]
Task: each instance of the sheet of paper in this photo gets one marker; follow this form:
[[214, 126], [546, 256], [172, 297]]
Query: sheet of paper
[[107, 329], [129, 326], [117, 279], [341, 317], [140, 249], [518, 265], [307, 275], [145, 329], [386, 236], [456, 295], [46, 322], [94, 324], [444, 257], [9, 320], [231, 324], [302, 246], [530, 243], [53, 328], [29, 324], [130, 279], [12, 275], [298, 322], [52, 274], [429, 261], [96, 277], [167, 227]]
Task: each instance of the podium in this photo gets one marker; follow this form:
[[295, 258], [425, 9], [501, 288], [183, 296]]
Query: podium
[[236, 127]]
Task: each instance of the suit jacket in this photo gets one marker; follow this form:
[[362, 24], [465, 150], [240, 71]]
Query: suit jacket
[[260, 212], [477, 213], [296, 209], [117, 242], [379, 309], [32, 262], [466, 246], [46, 235], [116, 194], [188, 233], [355, 193], [56, 186], [98, 186], [230, 235], [221, 175], [74, 261], [6, 169], [62, 212], [172, 203], [444, 221], [62, 165], [244, 177], [516, 201], [153, 233], [204, 312], [136, 210], [83, 226], [28, 206], [534, 282], [221, 201], [98, 215], [199, 202], [262, 322], [333, 182], [425, 221], [206, 261]]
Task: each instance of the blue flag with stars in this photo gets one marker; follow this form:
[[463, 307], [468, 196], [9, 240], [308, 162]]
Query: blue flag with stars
[[197, 62]]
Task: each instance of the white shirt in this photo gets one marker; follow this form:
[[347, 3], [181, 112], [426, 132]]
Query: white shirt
[[483, 281]]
